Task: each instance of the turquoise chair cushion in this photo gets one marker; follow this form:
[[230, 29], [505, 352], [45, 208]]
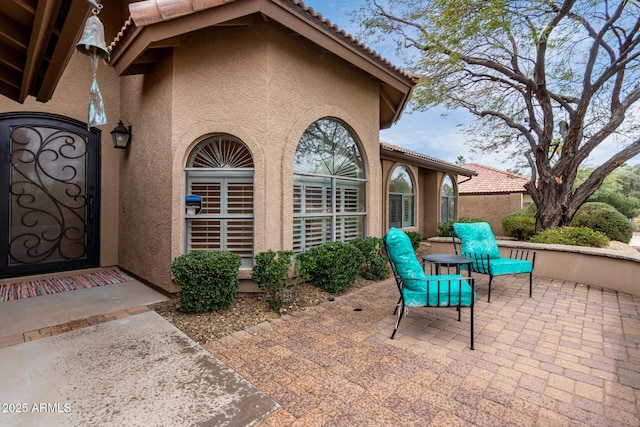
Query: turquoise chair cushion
[[424, 292], [477, 237], [510, 266], [403, 257]]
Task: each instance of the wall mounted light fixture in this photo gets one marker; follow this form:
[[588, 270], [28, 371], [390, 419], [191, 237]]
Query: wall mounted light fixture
[[121, 135]]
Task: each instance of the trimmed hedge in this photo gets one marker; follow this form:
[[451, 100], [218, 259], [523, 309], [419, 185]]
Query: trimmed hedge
[[208, 280], [519, 227], [415, 238], [270, 274], [576, 236], [332, 267], [606, 219], [375, 265]]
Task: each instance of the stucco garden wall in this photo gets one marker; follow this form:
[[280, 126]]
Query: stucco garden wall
[[71, 99], [606, 268], [259, 84]]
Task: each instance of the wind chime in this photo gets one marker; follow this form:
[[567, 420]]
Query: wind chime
[[93, 45]]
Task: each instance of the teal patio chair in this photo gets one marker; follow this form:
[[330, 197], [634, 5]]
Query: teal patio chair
[[478, 243], [419, 290]]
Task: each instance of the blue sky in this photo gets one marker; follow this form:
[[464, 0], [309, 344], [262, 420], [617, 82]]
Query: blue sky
[[430, 132]]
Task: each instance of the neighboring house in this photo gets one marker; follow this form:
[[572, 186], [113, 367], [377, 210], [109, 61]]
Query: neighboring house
[[262, 108], [492, 194]]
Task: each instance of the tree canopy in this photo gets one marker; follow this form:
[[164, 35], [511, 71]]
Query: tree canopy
[[547, 80]]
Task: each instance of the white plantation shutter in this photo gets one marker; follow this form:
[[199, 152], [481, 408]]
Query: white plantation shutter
[[221, 172], [401, 198], [329, 187]]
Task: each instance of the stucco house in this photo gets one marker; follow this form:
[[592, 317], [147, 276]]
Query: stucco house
[[263, 109], [492, 194]]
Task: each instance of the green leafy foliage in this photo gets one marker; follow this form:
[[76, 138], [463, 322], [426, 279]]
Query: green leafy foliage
[[270, 274], [415, 238], [606, 219], [208, 280], [445, 229], [529, 211], [627, 206], [375, 265], [332, 267], [519, 227], [576, 236]]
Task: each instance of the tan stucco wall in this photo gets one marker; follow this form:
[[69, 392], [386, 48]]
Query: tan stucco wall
[[71, 99], [490, 207], [258, 84]]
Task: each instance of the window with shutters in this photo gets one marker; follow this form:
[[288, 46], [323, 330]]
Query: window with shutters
[[447, 200], [329, 187], [401, 198], [220, 170]]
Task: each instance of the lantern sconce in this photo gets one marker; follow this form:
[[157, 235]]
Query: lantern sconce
[[121, 135]]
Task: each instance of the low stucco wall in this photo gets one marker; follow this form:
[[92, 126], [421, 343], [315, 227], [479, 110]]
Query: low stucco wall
[[607, 268]]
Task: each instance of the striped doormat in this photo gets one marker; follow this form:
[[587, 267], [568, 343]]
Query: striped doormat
[[34, 288]]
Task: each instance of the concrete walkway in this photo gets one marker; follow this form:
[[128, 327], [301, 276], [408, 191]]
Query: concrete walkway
[[117, 364]]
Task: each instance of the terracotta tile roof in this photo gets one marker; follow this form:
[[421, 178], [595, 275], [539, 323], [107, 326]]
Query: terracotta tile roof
[[428, 161], [491, 180], [149, 12]]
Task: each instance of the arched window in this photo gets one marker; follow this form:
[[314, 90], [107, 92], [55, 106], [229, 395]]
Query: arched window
[[220, 174], [447, 200], [329, 186], [401, 198]]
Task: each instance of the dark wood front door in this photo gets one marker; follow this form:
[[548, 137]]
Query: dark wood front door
[[49, 176]]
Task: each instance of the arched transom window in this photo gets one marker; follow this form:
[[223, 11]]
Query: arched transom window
[[220, 174], [329, 186], [447, 200], [401, 198]]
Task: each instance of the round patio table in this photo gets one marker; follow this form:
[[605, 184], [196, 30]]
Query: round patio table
[[446, 260]]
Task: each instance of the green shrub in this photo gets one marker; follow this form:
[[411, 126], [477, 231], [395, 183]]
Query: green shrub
[[270, 274], [602, 217], [627, 206], [445, 229], [375, 265], [208, 280], [415, 238], [529, 211], [332, 267], [576, 236], [519, 227]]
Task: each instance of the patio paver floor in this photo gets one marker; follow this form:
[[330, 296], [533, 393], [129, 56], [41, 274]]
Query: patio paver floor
[[568, 356]]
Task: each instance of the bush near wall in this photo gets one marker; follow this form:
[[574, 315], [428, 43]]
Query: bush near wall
[[627, 206], [576, 236], [415, 238], [375, 266], [270, 274], [332, 267], [519, 227], [606, 219], [208, 280]]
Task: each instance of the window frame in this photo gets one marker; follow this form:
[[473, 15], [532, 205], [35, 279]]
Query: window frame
[[405, 198], [223, 176], [334, 222], [446, 201]]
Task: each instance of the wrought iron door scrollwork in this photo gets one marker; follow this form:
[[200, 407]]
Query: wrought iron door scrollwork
[[48, 177]]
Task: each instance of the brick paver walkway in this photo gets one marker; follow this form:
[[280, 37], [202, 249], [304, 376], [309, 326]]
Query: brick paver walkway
[[570, 356]]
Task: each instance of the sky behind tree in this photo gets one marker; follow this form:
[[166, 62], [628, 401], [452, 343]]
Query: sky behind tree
[[437, 132]]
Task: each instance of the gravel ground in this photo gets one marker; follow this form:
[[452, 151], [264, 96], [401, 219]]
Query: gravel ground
[[248, 309]]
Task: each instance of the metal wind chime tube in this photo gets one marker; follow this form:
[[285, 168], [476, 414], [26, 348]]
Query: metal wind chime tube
[[93, 45]]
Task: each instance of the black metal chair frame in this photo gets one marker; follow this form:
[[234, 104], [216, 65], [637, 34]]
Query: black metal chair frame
[[479, 260], [403, 308]]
